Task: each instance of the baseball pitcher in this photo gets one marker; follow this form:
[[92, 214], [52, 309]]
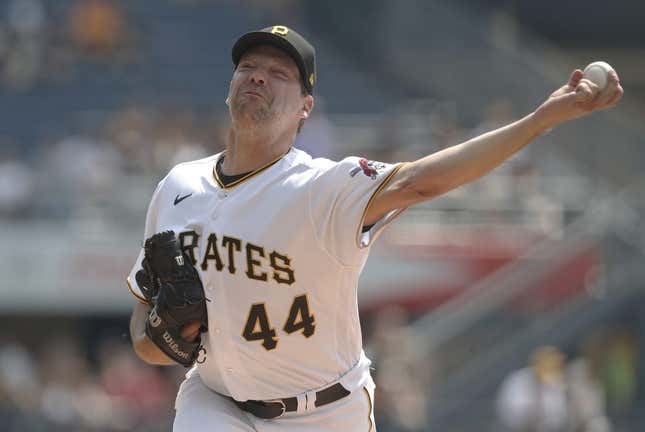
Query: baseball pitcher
[[252, 257]]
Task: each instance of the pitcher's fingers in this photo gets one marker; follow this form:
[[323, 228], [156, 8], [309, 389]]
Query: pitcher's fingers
[[613, 76], [575, 78], [618, 94], [584, 93], [609, 92], [190, 331]]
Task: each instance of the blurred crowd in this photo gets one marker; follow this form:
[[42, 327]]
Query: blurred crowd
[[64, 383], [593, 387], [55, 387], [556, 394], [108, 166], [86, 168], [74, 169], [42, 42]]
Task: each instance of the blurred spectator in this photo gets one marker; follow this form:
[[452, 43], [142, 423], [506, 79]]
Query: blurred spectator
[[80, 173], [98, 27], [64, 370], [16, 186], [19, 376], [175, 139], [550, 396], [587, 399], [19, 390], [23, 43], [620, 360], [130, 129], [534, 399], [26, 17]]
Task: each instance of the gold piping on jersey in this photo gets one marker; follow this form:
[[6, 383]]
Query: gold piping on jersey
[[369, 412], [246, 177], [384, 183], [137, 296]]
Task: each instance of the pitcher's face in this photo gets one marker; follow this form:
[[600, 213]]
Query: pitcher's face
[[266, 86]]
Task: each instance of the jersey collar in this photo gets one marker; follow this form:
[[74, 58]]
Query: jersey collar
[[246, 177]]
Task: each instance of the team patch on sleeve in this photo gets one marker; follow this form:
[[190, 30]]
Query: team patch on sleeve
[[370, 168]]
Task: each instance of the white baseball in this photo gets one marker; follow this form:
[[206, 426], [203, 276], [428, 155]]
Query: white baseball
[[597, 73]]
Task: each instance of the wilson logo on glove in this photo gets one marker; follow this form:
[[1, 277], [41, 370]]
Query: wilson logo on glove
[[154, 319], [174, 346]]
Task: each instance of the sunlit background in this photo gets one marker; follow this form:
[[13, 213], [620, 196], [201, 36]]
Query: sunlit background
[[515, 303]]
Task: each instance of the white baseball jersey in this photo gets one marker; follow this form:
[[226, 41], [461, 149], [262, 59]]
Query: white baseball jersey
[[279, 253]]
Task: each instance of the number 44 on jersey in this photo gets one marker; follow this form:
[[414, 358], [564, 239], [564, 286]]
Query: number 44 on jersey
[[257, 326]]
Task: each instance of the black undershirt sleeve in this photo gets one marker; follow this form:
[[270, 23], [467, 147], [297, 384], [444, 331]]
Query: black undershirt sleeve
[[366, 228]]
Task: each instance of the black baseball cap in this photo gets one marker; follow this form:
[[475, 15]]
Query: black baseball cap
[[288, 40]]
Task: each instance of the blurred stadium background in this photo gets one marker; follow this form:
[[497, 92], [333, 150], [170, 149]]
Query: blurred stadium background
[[462, 297]]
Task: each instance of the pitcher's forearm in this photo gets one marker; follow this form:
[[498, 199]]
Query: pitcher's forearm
[[145, 349], [440, 172]]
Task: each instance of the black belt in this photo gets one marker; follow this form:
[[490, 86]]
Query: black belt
[[274, 409]]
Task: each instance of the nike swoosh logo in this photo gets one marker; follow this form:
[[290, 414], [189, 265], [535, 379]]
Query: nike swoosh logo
[[178, 199]]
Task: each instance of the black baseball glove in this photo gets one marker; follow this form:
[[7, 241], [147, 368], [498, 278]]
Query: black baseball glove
[[172, 286]]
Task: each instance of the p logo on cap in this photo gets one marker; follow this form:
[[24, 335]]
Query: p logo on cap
[[281, 30]]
